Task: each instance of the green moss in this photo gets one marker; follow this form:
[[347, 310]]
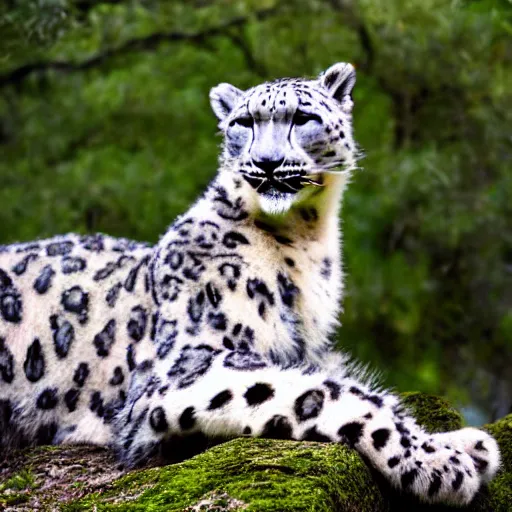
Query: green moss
[[19, 481], [15, 489], [13, 499], [267, 475], [433, 412], [502, 432], [500, 489]]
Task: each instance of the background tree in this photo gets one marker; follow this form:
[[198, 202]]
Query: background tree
[[105, 126]]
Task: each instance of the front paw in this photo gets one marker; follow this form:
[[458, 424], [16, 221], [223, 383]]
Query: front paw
[[140, 424], [134, 442]]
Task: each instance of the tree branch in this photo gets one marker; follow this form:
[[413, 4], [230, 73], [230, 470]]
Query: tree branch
[[18, 75], [348, 9], [241, 43]]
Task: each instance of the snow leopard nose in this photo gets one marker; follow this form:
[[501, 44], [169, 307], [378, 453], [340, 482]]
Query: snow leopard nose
[[267, 165]]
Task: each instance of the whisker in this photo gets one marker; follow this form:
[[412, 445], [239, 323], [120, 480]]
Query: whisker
[[310, 181], [260, 185], [335, 168]]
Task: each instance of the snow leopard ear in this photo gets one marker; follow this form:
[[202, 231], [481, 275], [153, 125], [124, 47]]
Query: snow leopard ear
[[339, 80], [223, 99]]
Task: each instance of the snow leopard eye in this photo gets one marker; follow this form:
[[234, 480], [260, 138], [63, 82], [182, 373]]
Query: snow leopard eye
[[246, 122], [302, 118]]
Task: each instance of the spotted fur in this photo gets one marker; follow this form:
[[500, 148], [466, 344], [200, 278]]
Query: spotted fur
[[223, 327]]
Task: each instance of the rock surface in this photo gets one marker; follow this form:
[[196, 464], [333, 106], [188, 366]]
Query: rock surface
[[242, 474]]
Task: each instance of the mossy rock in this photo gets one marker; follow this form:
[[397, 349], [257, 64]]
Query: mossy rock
[[242, 474]]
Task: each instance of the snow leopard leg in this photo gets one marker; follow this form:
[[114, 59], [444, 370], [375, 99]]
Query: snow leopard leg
[[235, 393]]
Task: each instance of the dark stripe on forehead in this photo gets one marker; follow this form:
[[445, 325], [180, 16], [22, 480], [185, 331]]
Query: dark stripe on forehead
[[317, 90]]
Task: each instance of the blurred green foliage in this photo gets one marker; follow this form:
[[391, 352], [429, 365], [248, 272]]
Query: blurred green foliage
[[105, 126]]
